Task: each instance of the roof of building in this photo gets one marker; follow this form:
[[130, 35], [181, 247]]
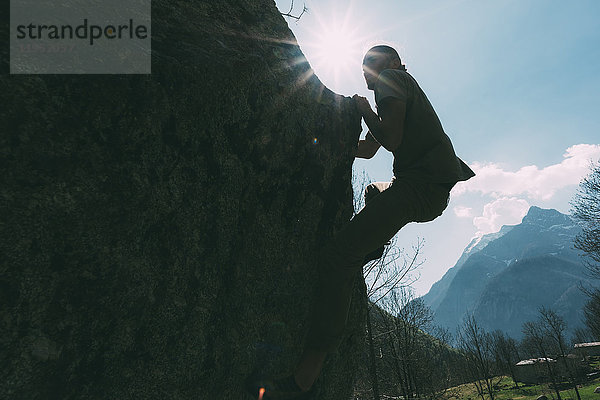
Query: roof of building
[[591, 344], [532, 361]]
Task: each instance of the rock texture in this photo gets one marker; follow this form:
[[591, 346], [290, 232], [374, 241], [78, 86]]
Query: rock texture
[[159, 231]]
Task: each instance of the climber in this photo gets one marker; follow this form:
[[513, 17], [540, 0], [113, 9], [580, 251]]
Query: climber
[[425, 169]]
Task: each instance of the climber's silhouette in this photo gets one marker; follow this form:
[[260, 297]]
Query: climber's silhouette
[[425, 170]]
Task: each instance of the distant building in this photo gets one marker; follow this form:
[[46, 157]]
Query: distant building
[[534, 370], [588, 349], [538, 370]]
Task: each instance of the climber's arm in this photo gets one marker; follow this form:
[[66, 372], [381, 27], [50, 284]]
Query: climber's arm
[[388, 129], [368, 147]]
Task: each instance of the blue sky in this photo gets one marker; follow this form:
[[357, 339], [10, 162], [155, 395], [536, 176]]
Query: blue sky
[[514, 82]]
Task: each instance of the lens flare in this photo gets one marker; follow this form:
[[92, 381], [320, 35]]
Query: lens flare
[[261, 393]]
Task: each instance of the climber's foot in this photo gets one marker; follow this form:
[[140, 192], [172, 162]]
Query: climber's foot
[[375, 254]]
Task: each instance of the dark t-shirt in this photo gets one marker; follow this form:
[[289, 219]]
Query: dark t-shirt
[[425, 152]]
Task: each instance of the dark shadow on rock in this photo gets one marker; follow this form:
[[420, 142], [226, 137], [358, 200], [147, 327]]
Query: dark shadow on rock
[[159, 231]]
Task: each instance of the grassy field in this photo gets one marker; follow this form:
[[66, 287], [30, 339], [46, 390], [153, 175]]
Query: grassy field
[[525, 392]]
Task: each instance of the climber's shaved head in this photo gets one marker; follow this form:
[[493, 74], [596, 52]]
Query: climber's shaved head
[[377, 59], [390, 52]]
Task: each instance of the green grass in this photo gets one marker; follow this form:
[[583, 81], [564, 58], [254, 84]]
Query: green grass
[[507, 391]]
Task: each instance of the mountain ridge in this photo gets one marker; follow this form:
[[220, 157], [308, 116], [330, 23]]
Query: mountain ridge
[[502, 278], [435, 294]]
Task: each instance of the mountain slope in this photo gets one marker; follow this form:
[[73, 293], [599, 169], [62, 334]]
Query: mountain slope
[[439, 289], [514, 296], [505, 277]]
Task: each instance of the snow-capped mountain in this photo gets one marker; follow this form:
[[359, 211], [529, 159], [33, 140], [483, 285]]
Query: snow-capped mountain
[[504, 277]]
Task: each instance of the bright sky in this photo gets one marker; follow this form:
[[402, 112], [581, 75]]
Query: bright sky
[[514, 82]]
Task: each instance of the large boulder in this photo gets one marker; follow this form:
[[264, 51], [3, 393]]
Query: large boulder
[[159, 231]]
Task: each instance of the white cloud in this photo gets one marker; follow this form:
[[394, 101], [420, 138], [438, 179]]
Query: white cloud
[[503, 211], [463, 212], [531, 181]]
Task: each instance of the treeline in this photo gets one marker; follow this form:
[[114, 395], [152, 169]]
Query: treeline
[[407, 357], [400, 358]]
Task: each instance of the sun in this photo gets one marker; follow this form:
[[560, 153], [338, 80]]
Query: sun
[[335, 48]]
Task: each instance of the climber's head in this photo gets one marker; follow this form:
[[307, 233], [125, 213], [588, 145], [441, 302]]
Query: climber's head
[[377, 59]]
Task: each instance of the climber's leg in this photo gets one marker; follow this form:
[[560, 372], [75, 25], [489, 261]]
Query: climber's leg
[[342, 258], [371, 191]]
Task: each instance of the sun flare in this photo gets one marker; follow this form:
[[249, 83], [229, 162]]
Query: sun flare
[[337, 50], [334, 45]]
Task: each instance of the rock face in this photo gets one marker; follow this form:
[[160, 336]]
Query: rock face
[[159, 231]]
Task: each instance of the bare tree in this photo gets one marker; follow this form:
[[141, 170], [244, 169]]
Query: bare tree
[[442, 361], [405, 339], [477, 347], [505, 349], [537, 343], [554, 327], [412, 363], [582, 335], [586, 209], [591, 312], [296, 17], [390, 272]]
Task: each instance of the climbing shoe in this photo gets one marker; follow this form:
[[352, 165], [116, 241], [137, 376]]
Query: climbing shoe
[[375, 254]]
